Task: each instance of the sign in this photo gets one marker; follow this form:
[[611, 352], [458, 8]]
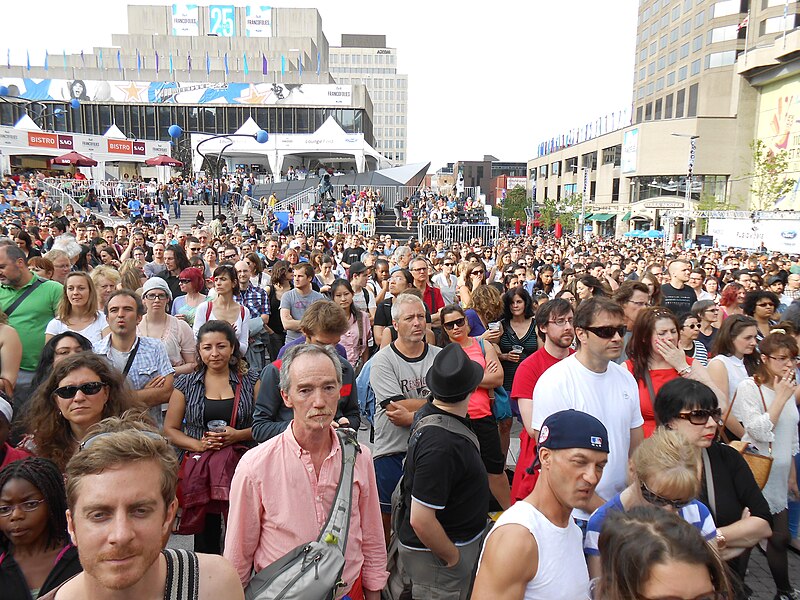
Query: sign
[[222, 20], [512, 182], [185, 19], [258, 21], [777, 235], [630, 149], [96, 146], [175, 92], [663, 204]]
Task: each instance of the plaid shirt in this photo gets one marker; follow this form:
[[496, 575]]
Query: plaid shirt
[[150, 361], [255, 299]]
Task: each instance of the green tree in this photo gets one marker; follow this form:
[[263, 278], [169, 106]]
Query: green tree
[[513, 207], [769, 182], [566, 210]]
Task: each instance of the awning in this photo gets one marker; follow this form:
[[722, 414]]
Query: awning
[[602, 217], [640, 218], [627, 216], [587, 216]]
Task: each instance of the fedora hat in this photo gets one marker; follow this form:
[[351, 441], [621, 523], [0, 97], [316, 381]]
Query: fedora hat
[[453, 375]]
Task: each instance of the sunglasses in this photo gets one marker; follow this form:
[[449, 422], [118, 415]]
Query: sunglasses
[[656, 500], [607, 332], [184, 281], [477, 273], [693, 326], [450, 325], [700, 416], [87, 389]]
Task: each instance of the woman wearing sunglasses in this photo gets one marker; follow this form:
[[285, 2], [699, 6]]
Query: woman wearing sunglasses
[[766, 405], [728, 487], [664, 472], [482, 421], [689, 343], [193, 285], [81, 391], [651, 553], [36, 555]]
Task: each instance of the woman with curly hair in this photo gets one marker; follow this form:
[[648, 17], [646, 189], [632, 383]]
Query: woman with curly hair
[[81, 391], [761, 305]]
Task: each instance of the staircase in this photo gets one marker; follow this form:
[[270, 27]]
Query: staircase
[[384, 224]]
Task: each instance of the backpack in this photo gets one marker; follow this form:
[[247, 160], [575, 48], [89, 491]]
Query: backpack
[[313, 571]]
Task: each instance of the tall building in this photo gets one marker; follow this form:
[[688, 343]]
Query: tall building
[[366, 60]]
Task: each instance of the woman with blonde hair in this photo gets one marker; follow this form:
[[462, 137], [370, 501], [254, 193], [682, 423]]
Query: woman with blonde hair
[[132, 275], [77, 310], [664, 473], [62, 265], [106, 279]]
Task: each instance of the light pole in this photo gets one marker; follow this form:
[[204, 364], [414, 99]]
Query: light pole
[[261, 136], [58, 112], [689, 171], [584, 194]]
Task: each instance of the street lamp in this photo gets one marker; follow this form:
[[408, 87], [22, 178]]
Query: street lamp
[[586, 171], [261, 136], [58, 112], [689, 171]]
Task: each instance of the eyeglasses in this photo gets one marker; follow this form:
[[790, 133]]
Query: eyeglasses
[[448, 264], [161, 297], [766, 305], [714, 310], [656, 500], [700, 416], [87, 389], [607, 332], [27, 506], [184, 281], [456, 323], [561, 322], [92, 438], [477, 273], [420, 270], [783, 359], [693, 326]]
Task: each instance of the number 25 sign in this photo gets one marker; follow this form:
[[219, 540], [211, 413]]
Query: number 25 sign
[[221, 20]]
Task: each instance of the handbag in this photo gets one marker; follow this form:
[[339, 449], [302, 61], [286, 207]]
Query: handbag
[[501, 405], [313, 571], [759, 464]]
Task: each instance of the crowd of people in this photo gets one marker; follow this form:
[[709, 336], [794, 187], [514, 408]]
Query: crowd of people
[[155, 380]]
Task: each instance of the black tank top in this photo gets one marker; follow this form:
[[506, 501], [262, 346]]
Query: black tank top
[[275, 322]]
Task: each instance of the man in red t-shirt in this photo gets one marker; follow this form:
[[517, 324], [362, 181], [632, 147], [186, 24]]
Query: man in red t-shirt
[[554, 326]]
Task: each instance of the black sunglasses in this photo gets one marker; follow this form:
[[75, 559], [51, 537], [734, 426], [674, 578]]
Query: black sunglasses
[[456, 323], [88, 389], [607, 332], [656, 500], [700, 416]]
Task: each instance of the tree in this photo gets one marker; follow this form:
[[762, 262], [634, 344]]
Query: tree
[[566, 210], [769, 183], [513, 207]]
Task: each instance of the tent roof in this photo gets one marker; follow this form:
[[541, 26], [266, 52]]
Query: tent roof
[[27, 124], [249, 127], [114, 133]]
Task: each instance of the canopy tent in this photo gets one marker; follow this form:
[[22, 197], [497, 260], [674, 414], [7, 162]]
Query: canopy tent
[[162, 160], [654, 233], [115, 133]]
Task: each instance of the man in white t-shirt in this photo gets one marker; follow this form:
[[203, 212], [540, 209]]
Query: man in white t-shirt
[[591, 382]]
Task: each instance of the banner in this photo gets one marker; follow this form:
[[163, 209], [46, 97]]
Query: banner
[[90, 145], [630, 150], [777, 235], [159, 92], [185, 19], [258, 21], [222, 20]]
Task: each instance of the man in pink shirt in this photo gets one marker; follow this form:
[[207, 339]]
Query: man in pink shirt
[[283, 490]]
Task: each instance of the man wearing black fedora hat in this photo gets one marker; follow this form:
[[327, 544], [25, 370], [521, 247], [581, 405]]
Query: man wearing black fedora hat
[[445, 488]]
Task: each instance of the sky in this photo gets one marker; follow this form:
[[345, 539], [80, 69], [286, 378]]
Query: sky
[[483, 78]]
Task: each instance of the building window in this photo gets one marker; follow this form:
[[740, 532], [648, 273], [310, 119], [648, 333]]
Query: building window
[[653, 48], [662, 63], [672, 57], [542, 170], [615, 190], [676, 13], [646, 14], [662, 42], [673, 35], [640, 93], [699, 19], [670, 78], [668, 107], [680, 98], [697, 43], [648, 111], [686, 27], [725, 8], [639, 112], [589, 160], [570, 164], [695, 67], [720, 59], [692, 105], [684, 50], [643, 55], [682, 73], [554, 168], [687, 6], [642, 73], [651, 68], [650, 88], [659, 84], [775, 24], [722, 34], [657, 114], [612, 155]]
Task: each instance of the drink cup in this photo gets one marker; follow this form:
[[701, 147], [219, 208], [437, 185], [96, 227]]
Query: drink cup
[[217, 425], [517, 349], [494, 325]]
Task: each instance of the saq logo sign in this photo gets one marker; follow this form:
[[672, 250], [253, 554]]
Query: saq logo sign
[[138, 148]]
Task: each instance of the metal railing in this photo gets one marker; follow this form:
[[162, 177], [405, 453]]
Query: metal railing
[[312, 228], [463, 233], [303, 199]]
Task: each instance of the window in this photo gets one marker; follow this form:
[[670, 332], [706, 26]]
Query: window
[[570, 164], [653, 29], [697, 43], [662, 63], [699, 19], [685, 50], [672, 57], [648, 111], [774, 25], [554, 168], [664, 22], [639, 112], [662, 42], [657, 115], [686, 27], [680, 98], [682, 73], [722, 34], [643, 55], [642, 73], [615, 190], [673, 35], [695, 67], [653, 48], [687, 5], [612, 154], [640, 93], [720, 59], [659, 84], [651, 68], [676, 13], [657, 6], [650, 88], [542, 170], [692, 106], [646, 14], [725, 8], [645, 34], [670, 78], [668, 107]]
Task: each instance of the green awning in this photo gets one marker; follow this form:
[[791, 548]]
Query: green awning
[[587, 216], [627, 216], [602, 217]]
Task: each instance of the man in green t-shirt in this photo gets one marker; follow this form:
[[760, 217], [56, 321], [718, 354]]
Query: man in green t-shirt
[[30, 317]]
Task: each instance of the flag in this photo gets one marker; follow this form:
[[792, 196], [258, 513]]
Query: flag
[[745, 22], [171, 68], [119, 61], [138, 62], [318, 62], [264, 65], [225, 62], [64, 54], [156, 62], [8, 58], [208, 64], [300, 64], [189, 61], [83, 60], [283, 66], [46, 60], [28, 60], [245, 69]]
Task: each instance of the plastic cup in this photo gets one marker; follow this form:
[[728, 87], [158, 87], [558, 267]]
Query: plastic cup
[[217, 425], [517, 349], [494, 325]]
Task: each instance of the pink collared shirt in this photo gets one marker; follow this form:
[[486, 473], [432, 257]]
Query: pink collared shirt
[[277, 503]]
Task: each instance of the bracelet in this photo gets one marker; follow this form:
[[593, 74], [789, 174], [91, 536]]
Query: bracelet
[[685, 371]]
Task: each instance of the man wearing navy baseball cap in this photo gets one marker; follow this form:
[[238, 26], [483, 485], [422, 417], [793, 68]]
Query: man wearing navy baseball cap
[[536, 550]]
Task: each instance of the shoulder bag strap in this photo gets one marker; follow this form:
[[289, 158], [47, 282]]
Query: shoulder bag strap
[[722, 433], [183, 575], [131, 357], [649, 382], [338, 524], [236, 395], [764, 404], [450, 424], [21, 298], [712, 500], [208, 309]]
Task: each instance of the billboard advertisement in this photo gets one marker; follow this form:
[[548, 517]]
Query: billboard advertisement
[[89, 145], [159, 92], [778, 235], [185, 19], [258, 21], [630, 150]]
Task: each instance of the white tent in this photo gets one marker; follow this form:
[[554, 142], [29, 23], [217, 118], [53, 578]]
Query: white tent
[[27, 124], [115, 133]]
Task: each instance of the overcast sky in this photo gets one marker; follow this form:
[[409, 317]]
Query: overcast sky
[[484, 78]]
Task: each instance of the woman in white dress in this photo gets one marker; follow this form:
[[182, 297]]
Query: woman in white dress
[[77, 310], [767, 407]]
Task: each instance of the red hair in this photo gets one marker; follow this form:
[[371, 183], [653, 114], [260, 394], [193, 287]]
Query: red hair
[[730, 294]]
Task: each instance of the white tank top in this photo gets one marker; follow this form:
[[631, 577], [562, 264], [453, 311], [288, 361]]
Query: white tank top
[[562, 571], [736, 370]]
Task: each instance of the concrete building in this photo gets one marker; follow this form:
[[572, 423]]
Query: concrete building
[[687, 88], [366, 60]]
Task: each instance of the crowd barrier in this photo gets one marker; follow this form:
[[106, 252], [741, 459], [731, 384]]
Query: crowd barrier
[[463, 233], [312, 228]]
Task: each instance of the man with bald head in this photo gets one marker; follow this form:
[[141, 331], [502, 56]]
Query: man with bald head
[[678, 297]]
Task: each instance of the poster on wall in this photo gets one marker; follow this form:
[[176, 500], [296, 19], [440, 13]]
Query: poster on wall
[[160, 92], [222, 20], [630, 149], [185, 19], [258, 21], [778, 235]]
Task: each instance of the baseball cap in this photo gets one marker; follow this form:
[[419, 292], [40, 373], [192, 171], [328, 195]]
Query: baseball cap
[[774, 279], [358, 267], [571, 429]]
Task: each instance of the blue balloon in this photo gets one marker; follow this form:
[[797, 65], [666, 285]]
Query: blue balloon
[[3, 90], [175, 131], [75, 103], [262, 137]]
